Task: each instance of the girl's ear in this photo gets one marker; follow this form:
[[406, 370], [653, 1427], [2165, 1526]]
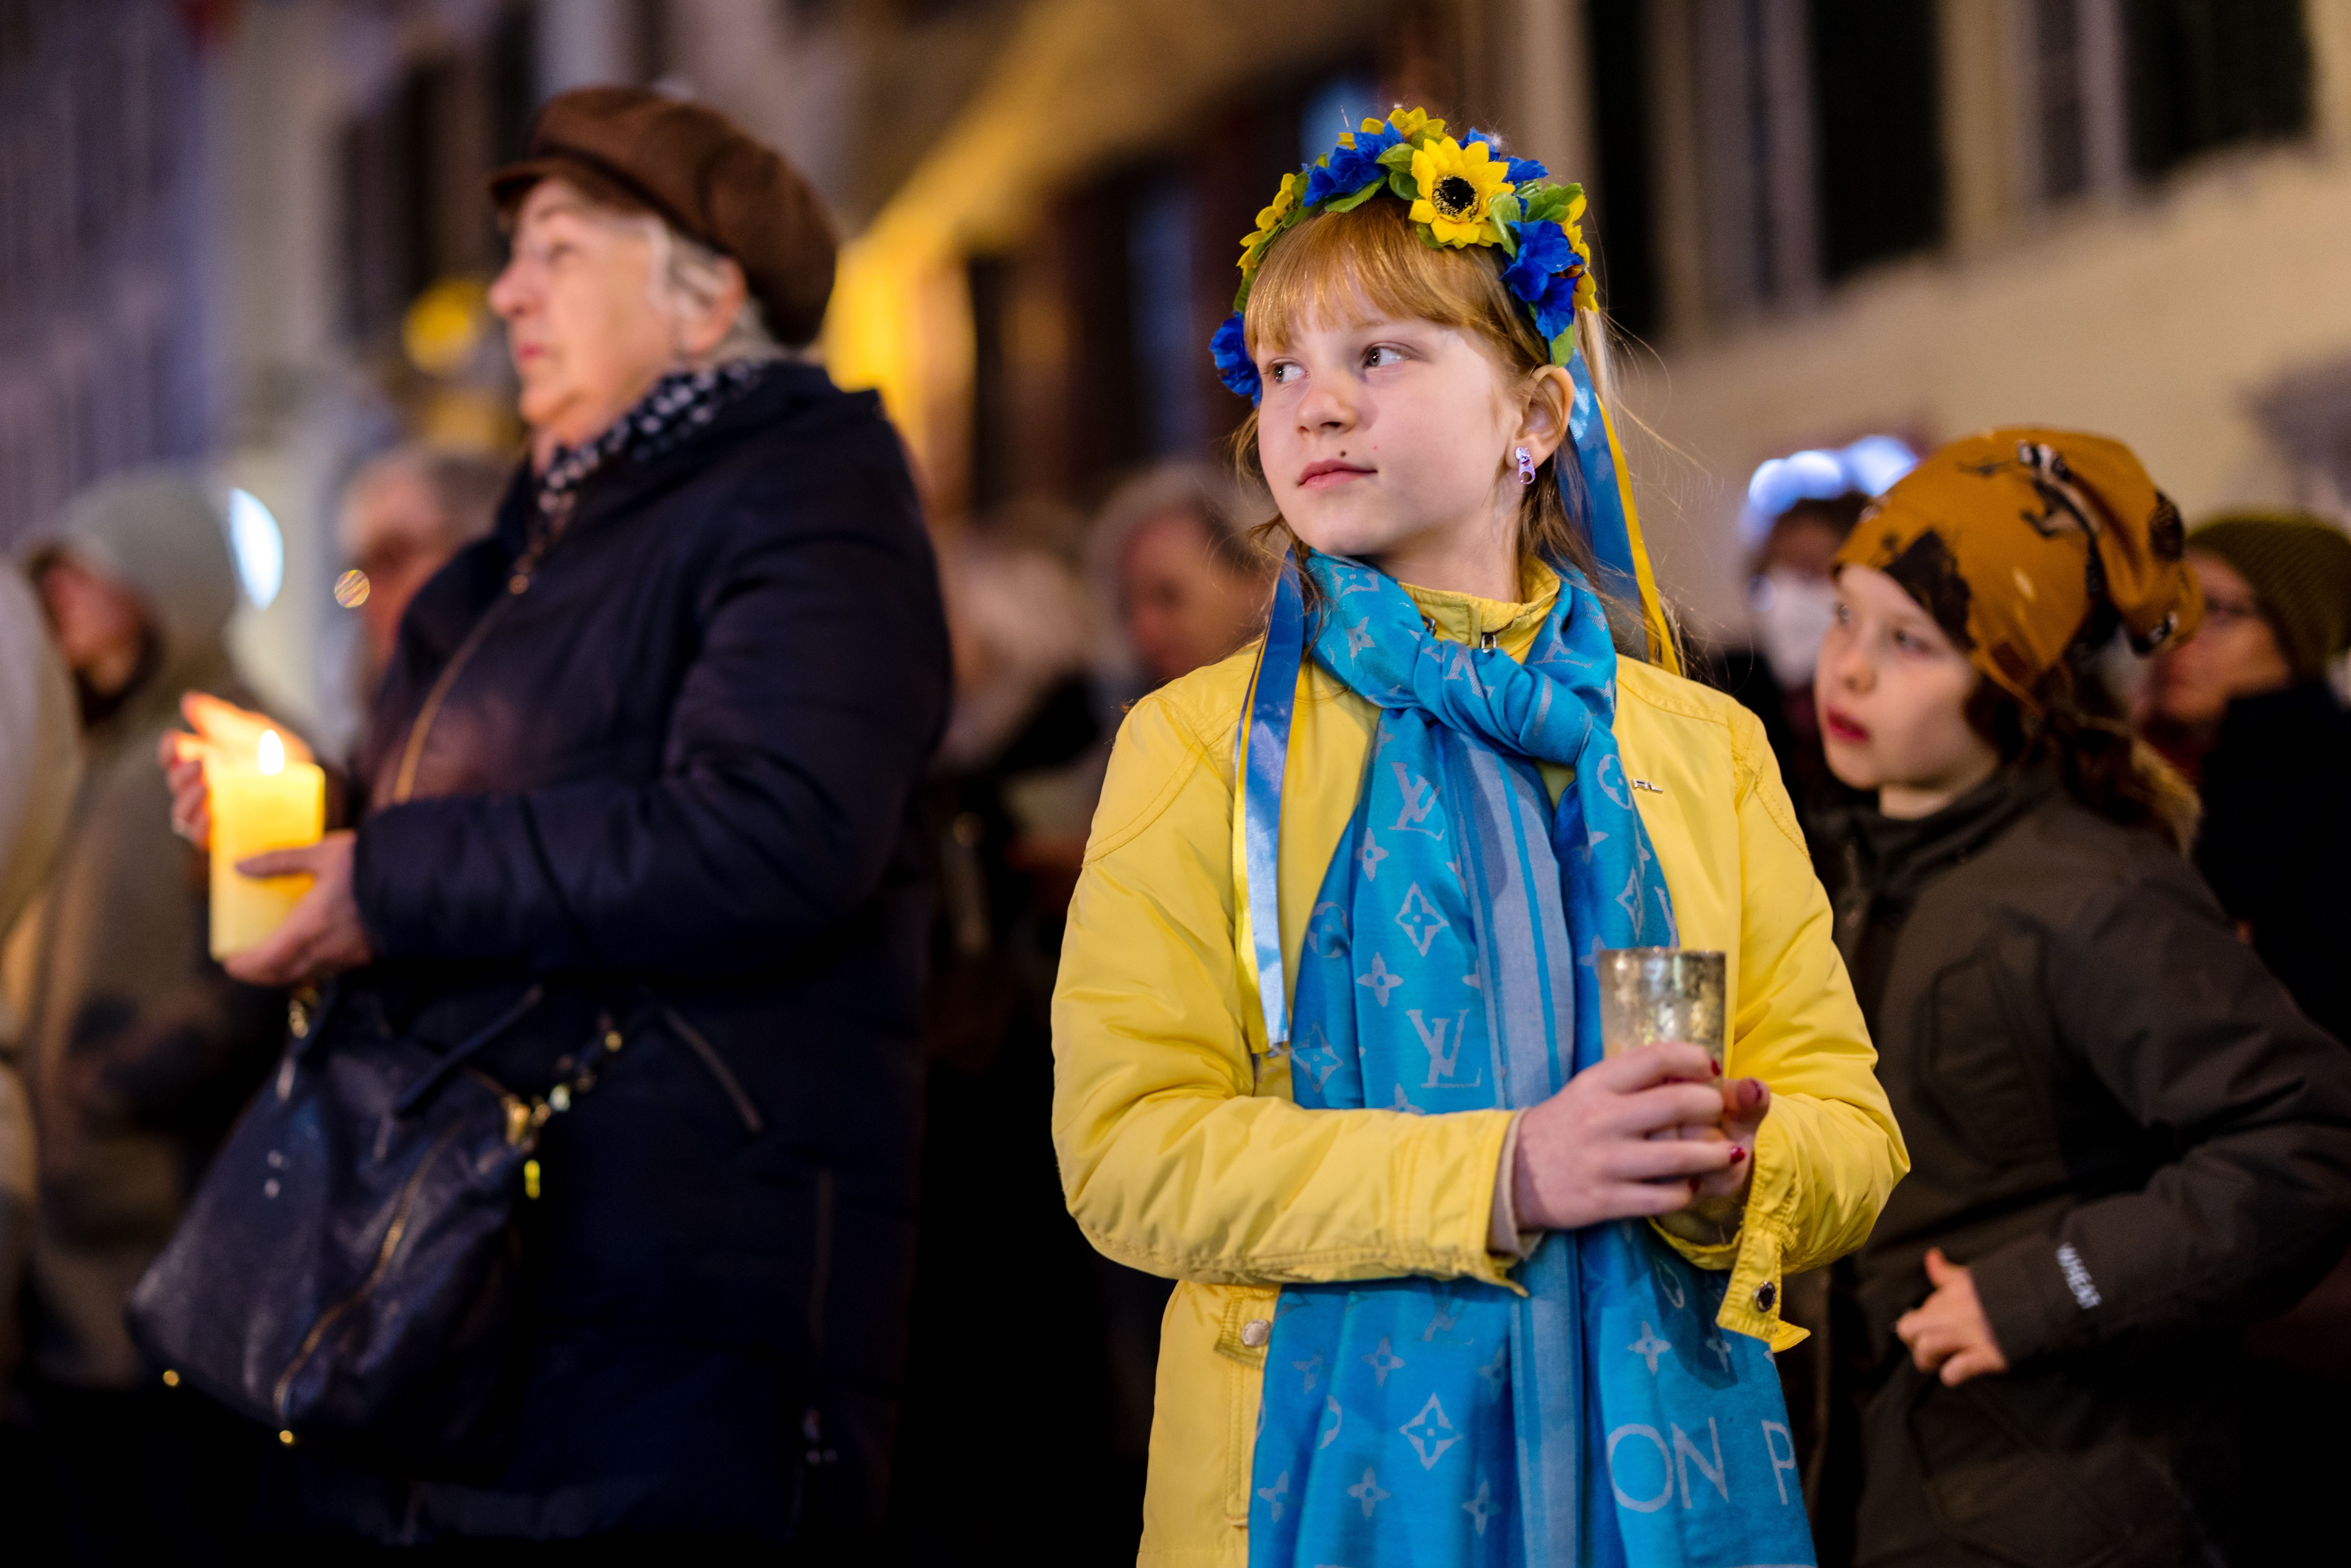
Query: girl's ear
[[1542, 420]]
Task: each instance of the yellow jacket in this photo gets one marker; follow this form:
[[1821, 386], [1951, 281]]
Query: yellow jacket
[[1183, 1155]]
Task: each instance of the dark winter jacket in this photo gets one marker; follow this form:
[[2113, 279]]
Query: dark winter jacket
[[669, 773], [2121, 1125], [2276, 840]]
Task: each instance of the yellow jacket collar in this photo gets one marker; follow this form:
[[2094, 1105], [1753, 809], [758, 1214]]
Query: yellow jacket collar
[[1466, 618]]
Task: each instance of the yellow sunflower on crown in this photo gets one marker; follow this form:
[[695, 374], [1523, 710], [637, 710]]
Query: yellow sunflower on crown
[[1457, 187], [1271, 220]]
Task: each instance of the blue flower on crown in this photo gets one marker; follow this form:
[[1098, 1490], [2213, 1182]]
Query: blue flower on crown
[[1234, 366], [1521, 169], [1545, 274], [1353, 164]]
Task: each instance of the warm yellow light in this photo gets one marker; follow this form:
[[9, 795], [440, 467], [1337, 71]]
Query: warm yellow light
[[445, 325], [272, 752], [900, 323]]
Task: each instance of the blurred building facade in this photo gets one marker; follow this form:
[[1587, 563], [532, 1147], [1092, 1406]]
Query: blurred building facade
[[1928, 217], [1818, 219], [218, 219], [101, 330]]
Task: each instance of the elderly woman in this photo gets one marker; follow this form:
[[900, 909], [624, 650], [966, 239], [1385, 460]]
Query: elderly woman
[[649, 751]]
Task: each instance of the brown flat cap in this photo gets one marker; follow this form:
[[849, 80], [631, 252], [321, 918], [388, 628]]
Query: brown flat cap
[[701, 174]]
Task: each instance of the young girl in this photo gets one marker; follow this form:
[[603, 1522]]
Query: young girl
[[1326, 1031], [2128, 1142]]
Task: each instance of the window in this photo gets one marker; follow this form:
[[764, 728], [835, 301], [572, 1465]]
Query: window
[[1161, 240], [1877, 105], [1748, 64], [2072, 61], [388, 163], [2204, 74], [2059, 110], [1621, 223], [993, 476], [514, 82], [650, 39]]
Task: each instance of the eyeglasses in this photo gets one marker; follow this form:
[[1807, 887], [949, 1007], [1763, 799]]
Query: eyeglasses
[[2223, 612]]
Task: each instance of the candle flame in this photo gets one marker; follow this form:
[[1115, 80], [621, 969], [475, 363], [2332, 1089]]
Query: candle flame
[[272, 752]]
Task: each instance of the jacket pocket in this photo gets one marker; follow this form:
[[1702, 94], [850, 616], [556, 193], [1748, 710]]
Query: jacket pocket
[[1203, 1426], [721, 1075], [1976, 1063], [1245, 1327], [1994, 1479]]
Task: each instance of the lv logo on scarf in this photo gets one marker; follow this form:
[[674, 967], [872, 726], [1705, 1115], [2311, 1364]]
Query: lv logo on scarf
[[1603, 1418]]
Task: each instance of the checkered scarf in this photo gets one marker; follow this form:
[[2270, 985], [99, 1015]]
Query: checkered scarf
[[679, 405]]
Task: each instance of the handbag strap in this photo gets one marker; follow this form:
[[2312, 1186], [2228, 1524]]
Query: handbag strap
[[308, 1011], [467, 1048]]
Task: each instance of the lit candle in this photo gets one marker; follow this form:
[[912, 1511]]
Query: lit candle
[[272, 804]]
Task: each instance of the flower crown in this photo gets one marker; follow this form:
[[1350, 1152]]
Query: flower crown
[[1462, 194]]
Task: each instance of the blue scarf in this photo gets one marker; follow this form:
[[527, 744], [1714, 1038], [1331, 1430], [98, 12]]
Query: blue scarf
[[1601, 1418]]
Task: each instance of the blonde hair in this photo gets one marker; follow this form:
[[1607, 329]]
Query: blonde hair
[[1373, 257]]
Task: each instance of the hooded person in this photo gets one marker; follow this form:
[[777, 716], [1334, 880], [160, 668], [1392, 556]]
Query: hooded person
[[2126, 1141], [137, 1050]]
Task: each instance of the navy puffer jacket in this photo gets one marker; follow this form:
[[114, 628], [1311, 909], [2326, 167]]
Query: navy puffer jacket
[[667, 772]]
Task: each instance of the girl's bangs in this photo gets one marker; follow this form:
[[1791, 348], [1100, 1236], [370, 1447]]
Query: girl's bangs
[[1341, 268]]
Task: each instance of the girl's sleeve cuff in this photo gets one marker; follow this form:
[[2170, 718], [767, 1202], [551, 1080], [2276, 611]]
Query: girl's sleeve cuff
[[1504, 1237], [1754, 1257]]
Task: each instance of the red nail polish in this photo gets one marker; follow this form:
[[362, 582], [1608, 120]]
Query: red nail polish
[[1717, 1066], [1737, 1154]]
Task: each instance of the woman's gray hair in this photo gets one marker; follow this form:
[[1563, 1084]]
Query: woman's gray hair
[[1227, 513], [690, 276]]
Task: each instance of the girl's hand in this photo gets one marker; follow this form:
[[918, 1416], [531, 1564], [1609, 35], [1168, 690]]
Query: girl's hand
[[1949, 1329], [1716, 1213], [1589, 1153], [322, 935], [1745, 1102]]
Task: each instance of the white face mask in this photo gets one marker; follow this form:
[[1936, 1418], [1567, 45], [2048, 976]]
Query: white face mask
[[1792, 611]]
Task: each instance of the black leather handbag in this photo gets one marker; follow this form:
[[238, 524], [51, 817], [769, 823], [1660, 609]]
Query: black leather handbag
[[347, 1268]]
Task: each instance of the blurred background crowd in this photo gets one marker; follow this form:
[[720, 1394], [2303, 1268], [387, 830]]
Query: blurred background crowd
[[244, 257]]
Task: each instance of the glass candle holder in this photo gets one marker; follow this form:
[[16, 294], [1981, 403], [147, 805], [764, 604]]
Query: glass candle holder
[[1652, 996]]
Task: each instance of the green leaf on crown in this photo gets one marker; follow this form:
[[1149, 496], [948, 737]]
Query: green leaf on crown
[[1504, 212], [1398, 157], [1405, 187], [1546, 203], [1353, 199]]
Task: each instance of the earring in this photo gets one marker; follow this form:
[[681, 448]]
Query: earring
[[1526, 466]]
